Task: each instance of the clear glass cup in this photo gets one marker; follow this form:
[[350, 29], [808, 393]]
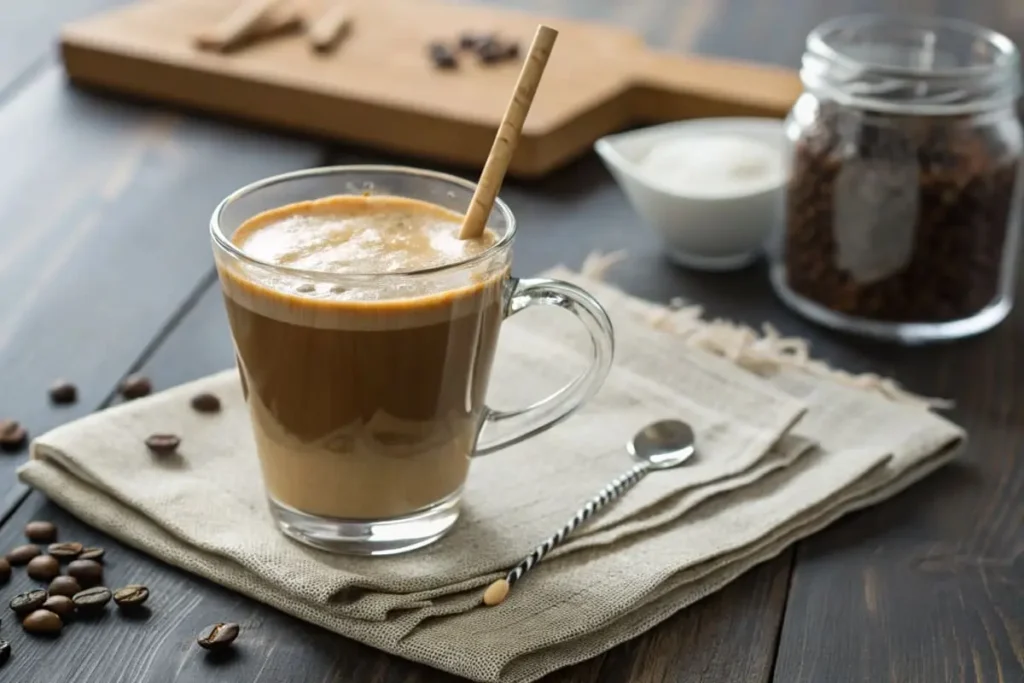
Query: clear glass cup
[[366, 391]]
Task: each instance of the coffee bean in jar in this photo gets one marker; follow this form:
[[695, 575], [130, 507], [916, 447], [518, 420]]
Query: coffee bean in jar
[[902, 208]]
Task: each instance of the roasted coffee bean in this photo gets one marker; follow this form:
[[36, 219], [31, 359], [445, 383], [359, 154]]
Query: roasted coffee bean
[[218, 636], [94, 553], [442, 56], [13, 436], [469, 40], [491, 52], [5, 652], [88, 572], [43, 568], [163, 444], [131, 596], [43, 622], [65, 585], [91, 601], [5, 570], [28, 602], [41, 531], [494, 51], [61, 605], [206, 403], [22, 554], [136, 386], [63, 392], [65, 551]]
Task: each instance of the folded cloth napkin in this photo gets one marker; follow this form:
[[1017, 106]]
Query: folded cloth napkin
[[785, 446]]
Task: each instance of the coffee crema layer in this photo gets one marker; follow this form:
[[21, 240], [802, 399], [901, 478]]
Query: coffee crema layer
[[355, 248], [366, 394], [359, 234]]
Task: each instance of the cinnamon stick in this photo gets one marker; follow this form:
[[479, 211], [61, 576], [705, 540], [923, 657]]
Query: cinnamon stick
[[252, 19], [328, 30]]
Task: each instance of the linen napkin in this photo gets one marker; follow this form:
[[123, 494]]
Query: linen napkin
[[784, 448]]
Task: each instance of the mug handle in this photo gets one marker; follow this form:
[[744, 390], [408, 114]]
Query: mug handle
[[504, 428]]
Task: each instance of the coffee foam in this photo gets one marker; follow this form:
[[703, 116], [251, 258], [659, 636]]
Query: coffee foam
[[355, 234], [331, 237]]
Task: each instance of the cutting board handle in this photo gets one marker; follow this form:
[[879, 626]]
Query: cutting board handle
[[668, 87]]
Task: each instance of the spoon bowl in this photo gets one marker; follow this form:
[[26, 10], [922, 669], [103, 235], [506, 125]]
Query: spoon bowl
[[663, 445]]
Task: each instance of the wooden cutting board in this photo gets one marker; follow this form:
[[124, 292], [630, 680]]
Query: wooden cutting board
[[379, 88]]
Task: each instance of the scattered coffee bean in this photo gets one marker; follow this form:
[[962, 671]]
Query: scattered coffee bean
[[26, 603], [22, 554], [43, 622], [163, 444], [94, 553], [66, 586], [206, 403], [492, 52], [218, 636], [88, 572], [41, 532], [5, 570], [470, 40], [5, 652], [43, 568], [63, 392], [136, 386], [61, 605], [442, 56], [12, 436], [91, 601], [131, 596], [65, 551]]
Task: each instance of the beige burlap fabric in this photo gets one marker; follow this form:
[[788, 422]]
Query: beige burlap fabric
[[785, 447]]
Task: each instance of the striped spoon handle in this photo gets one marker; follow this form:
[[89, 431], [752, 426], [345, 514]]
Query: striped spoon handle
[[497, 591]]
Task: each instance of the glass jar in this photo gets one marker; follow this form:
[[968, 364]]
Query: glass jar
[[903, 205]]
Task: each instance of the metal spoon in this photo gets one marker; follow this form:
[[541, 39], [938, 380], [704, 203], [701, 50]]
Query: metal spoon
[[658, 446]]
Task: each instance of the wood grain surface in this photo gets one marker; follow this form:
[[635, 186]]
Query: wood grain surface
[[383, 90], [27, 32], [106, 207], [105, 268]]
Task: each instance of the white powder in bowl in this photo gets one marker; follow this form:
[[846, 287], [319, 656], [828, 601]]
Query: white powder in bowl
[[713, 166]]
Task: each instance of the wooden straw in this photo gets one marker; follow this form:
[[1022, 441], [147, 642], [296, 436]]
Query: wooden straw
[[328, 30], [508, 134], [244, 22]]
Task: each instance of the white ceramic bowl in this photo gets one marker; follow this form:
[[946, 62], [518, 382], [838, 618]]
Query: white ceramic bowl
[[706, 232]]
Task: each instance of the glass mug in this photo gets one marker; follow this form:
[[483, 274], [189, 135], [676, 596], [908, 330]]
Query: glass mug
[[366, 390]]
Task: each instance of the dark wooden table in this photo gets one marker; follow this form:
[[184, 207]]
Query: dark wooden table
[[105, 269]]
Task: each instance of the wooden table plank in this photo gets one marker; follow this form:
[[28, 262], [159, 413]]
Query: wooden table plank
[[104, 236], [928, 586], [28, 33]]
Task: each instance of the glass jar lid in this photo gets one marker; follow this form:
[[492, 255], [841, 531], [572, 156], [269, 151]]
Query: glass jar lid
[[923, 65]]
